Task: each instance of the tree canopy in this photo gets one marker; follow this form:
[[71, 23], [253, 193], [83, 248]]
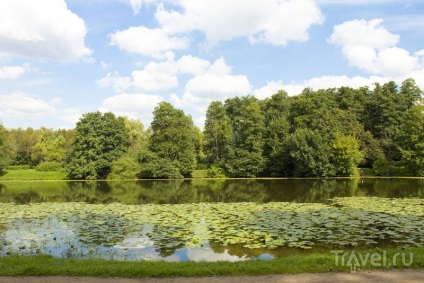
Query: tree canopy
[[318, 133]]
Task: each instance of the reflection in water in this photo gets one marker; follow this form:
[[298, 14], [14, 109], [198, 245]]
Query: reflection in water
[[112, 236], [208, 190]]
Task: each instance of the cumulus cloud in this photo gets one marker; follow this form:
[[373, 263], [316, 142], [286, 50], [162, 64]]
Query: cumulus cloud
[[19, 105], [11, 72], [273, 22], [216, 83], [157, 76], [115, 81], [133, 105], [145, 41], [44, 29], [370, 47], [270, 21]]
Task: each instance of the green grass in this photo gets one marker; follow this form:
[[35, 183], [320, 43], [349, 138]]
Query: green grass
[[30, 174], [313, 263]]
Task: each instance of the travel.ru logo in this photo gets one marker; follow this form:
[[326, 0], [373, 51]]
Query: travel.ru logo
[[356, 260]]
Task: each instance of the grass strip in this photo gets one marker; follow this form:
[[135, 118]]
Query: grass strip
[[15, 265], [31, 174]]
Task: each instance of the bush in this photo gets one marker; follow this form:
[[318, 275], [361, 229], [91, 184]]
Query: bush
[[124, 168], [18, 167], [160, 168], [50, 166], [215, 172]]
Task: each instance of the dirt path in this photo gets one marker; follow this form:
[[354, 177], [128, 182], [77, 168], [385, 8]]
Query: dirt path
[[406, 276]]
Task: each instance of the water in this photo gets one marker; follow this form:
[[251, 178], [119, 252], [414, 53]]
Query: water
[[178, 220], [206, 190]]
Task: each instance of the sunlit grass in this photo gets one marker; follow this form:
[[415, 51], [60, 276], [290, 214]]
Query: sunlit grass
[[31, 174], [313, 263]]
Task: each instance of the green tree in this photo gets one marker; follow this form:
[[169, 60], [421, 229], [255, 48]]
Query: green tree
[[345, 155], [276, 111], [173, 137], [20, 146], [411, 142], [136, 137], [218, 134], [124, 168], [50, 146], [245, 159], [100, 139], [307, 154], [2, 147]]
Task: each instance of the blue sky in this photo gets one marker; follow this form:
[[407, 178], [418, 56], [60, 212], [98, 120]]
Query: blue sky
[[62, 58]]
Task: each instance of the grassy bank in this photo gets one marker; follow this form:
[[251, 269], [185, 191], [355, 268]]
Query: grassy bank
[[314, 263], [30, 174]]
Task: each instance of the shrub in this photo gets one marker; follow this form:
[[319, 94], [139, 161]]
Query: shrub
[[124, 168], [49, 166], [215, 172]]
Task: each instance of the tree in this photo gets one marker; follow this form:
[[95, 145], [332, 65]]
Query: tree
[[307, 154], [100, 139], [411, 142], [345, 155], [20, 146], [245, 159], [136, 137], [173, 137], [2, 147], [276, 111], [124, 168], [218, 134], [50, 146]]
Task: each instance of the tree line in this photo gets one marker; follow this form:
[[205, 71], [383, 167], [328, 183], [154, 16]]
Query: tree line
[[322, 133]]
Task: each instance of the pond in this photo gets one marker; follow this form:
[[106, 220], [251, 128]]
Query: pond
[[201, 219]]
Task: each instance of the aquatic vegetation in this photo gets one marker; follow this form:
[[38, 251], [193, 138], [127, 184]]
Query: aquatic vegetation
[[155, 231]]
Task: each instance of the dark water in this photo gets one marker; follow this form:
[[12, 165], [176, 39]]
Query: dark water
[[204, 190]]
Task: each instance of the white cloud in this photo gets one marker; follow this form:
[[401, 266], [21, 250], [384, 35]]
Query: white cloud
[[370, 47], [216, 83], [270, 21], [136, 105], [356, 2], [44, 29], [12, 72], [273, 22], [145, 41], [19, 106], [136, 6], [158, 76], [115, 81]]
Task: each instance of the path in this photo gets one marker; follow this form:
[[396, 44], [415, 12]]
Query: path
[[407, 276]]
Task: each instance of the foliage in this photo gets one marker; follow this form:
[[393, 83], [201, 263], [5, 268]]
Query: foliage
[[345, 155], [172, 140], [49, 166], [50, 147], [218, 133], [155, 167], [100, 139], [124, 168], [307, 154], [215, 172], [245, 157], [2, 148], [412, 141]]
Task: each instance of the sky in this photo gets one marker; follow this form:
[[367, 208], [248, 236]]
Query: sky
[[60, 59]]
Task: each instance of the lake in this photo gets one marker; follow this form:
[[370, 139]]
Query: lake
[[204, 219]]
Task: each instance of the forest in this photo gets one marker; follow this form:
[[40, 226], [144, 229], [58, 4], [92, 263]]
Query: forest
[[318, 133]]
